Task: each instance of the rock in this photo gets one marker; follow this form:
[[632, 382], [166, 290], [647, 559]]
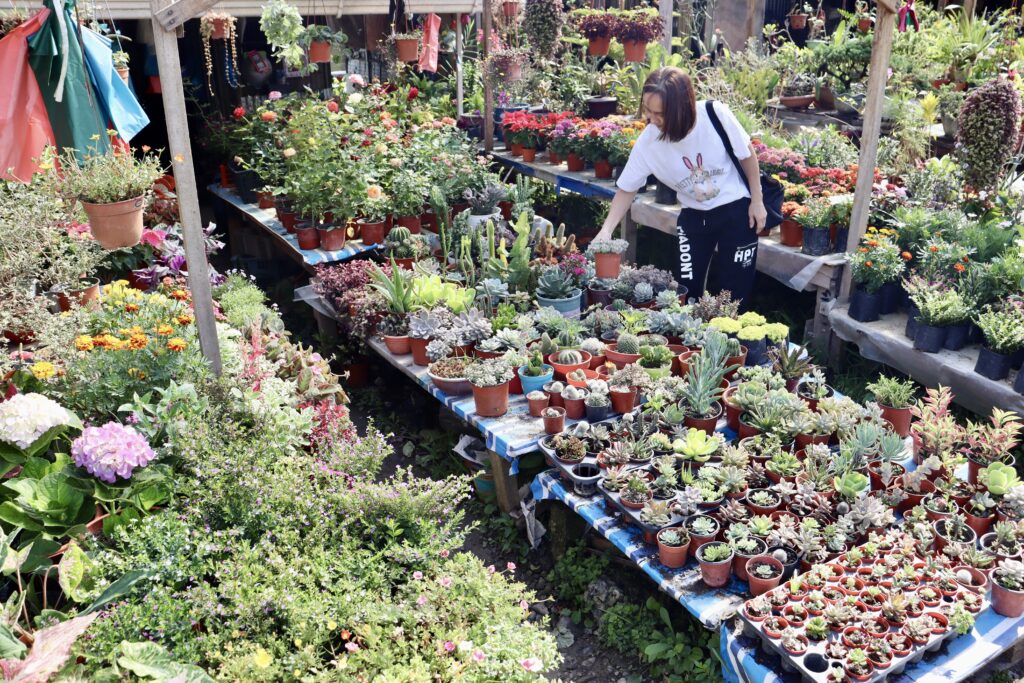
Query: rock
[[540, 608], [589, 662]]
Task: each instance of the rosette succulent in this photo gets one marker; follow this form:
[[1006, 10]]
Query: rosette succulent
[[111, 451]]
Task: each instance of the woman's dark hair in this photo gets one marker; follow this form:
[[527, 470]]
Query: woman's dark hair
[[677, 100]]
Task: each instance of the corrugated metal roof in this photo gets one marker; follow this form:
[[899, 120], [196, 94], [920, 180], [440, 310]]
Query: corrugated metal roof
[[140, 9]]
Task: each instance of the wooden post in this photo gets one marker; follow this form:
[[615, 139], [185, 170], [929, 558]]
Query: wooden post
[[885, 26], [459, 47], [488, 86], [665, 8], [166, 43], [968, 8], [505, 485]]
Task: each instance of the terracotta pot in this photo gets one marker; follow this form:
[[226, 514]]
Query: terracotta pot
[[398, 346], [95, 526], [864, 24], [529, 154], [575, 162], [798, 22], [419, 351], [791, 233], [899, 418], [332, 239], [620, 360], [225, 176], [598, 47], [555, 424], [407, 49], [536, 406], [118, 224], [264, 199], [218, 29], [602, 169], [553, 157], [757, 585], [582, 384], [308, 236], [635, 51], [428, 221], [411, 222], [683, 361], [405, 263], [715, 574], [516, 149], [672, 557], [510, 8], [981, 525], [707, 424], [85, 293], [623, 401], [563, 369], [738, 360], [373, 233], [123, 72], [491, 401], [607, 265], [797, 101], [288, 218], [452, 386], [319, 52], [979, 580], [575, 408]]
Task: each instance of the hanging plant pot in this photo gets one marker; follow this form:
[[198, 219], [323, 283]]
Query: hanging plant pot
[[995, 366], [598, 47], [320, 52], [865, 306], [816, 242], [373, 233], [510, 8], [218, 28], [123, 72], [600, 107], [798, 22], [514, 73], [791, 233], [602, 169], [118, 224], [407, 49], [575, 162], [635, 50]]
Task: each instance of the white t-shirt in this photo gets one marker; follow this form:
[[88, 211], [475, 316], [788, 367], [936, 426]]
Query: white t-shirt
[[697, 167]]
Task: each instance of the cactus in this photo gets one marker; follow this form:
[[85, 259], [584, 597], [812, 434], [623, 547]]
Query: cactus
[[399, 234], [733, 347], [628, 343], [548, 345], [653, 340], [569, 357]]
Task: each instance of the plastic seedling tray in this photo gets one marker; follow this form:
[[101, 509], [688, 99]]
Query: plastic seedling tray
[[813, 665]]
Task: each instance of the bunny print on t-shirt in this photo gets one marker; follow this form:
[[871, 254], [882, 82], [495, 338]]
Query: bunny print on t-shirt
[[701, 182]]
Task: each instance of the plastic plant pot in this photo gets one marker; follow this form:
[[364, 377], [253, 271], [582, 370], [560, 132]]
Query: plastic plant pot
[[715, 574], [536, 406], [491, 401], [759, 585], [956, 337], [817, 242], [398, 346], [554, 423], [929, 338], [865, 307], [531, 383], [671, 556], [584, 478], [995, 366]]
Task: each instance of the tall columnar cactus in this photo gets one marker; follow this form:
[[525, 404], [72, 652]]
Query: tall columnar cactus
[[988, 132]]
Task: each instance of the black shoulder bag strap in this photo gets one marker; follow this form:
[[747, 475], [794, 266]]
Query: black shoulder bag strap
[[771, 189]]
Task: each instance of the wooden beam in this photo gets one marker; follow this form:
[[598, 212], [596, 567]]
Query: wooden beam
[[665, 8], [881, 48], [459, 48], [488, 86], [169, 66], [504, 483], [177, 13]]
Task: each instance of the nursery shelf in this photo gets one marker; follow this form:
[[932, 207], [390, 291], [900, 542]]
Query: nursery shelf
[[267, 221], [884, 341]]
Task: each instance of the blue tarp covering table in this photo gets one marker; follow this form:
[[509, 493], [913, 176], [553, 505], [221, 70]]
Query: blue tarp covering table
[[954, 661], [267, 220], [581, 183]]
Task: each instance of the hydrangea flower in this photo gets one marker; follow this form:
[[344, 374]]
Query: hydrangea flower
[[111, 451], [26, 417]]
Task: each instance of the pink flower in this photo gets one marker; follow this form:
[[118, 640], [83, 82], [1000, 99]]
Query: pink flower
[[445, 582], [352, 647], [449, 646], [531, 664], [444, 553], [153, 238], [511, 566], [417, 575], [479, 656], [525, 605], [490, 569], [332, 107], [356, 79], [274, 95], [422, 600]]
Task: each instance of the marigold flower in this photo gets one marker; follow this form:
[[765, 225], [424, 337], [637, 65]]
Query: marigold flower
[[164, 330], [137, 342], [131, 308], [84, 343], [872, 243], [43, 370], [176, 344], [374, 192], [933, 248], [907, 256], [868, 264], [959, 268], [863, 250], [185, 319], [180, 294]]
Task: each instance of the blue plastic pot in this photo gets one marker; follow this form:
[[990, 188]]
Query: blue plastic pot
[[535, 383], [570, 307]]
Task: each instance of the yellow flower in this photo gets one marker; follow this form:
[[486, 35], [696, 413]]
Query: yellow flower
[[137, 342], [43, 370], [262, 659], [184, 319], [180, 295], [176, 344], [131, 308], [331, 625], [84, 343], [164, 330], [298, 642], [136, 373]]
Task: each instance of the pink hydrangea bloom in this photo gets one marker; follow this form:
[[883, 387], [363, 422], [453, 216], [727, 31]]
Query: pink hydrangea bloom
[[111, 451]]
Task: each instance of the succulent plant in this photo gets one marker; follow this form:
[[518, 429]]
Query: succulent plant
[[593, 346], [555, 284], [628, 343], [569, 357], [656, 513], [643, 292]]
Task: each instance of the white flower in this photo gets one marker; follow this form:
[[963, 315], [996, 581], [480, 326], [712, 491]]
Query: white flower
[[26, 417], [355, 98]]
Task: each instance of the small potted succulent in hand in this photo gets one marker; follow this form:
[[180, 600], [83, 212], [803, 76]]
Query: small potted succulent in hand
[[607, 255]]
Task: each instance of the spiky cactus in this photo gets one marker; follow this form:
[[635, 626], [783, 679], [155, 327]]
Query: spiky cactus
[[569, 357], [628, 343]]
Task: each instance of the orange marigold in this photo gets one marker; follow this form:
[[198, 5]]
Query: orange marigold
[[176, 344], [933, 248], [164, 330], [184, 319], [907, 256], [137, 342], [84, 343], [868, 264], [180, 294], [131, 308], [959, 268], [872, 243], [863, 250]]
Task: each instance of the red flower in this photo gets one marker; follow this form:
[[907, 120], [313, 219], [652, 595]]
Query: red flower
[[332, 107], [239, 112], [413, 92]]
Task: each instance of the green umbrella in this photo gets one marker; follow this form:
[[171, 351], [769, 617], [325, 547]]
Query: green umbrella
[[55, 55]]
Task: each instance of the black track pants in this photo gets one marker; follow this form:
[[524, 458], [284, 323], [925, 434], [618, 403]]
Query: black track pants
[[728, 228]]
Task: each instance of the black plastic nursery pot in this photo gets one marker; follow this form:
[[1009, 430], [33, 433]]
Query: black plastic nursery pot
[[994, 366], [890, 297], [817, 242], [1017, 359], [664, 194], [910, 331], [929, 338], [865, 306], [1018, 383], [956, 336], [757, 352], [842, 237], [584, 478], [598, 413], [246, 182]]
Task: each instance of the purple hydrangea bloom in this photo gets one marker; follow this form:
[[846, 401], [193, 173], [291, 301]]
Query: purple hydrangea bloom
[[110, 451]]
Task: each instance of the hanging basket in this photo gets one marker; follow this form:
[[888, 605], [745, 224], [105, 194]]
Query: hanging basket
[[510, 8], [407, 49], [118, 224], [320, 52], [218, 29]]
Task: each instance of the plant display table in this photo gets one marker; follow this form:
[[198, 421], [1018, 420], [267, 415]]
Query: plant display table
[[267, 221], [885, 342]]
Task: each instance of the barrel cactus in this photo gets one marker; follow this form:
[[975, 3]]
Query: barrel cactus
[[569, 357], [653, 340], [988, 132], [628, 343]]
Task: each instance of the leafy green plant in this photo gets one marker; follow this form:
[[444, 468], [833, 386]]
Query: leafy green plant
[[571, 575]]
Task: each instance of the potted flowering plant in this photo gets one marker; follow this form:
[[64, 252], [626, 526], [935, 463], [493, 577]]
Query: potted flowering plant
[[635, 29], [815, 222], [319, 40], [112, 188], [875, 264], [375, 208], [597, 27], [490, 380]]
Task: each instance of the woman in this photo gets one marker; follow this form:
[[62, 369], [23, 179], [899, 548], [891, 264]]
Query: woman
[[683, 149]]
